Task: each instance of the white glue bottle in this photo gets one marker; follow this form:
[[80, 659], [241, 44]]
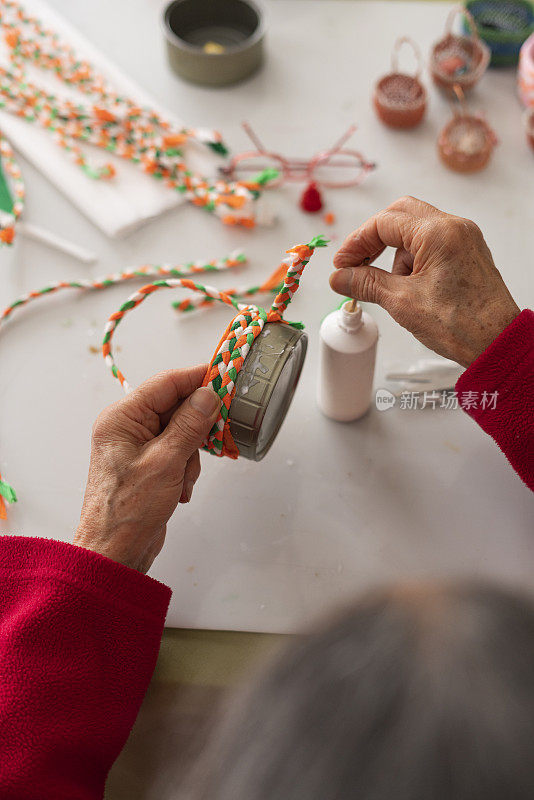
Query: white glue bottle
[[348, 339]]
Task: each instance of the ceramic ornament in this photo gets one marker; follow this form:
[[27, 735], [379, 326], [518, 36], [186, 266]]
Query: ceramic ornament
[[109, 121]]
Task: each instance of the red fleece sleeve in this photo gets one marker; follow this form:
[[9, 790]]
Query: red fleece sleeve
[[79, 638], [497, 391]]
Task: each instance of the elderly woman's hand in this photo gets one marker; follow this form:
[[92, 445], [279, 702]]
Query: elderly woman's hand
[[144, 461], [444, 286]]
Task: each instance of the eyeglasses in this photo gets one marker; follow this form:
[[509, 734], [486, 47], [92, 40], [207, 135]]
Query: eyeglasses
[[334, 168]]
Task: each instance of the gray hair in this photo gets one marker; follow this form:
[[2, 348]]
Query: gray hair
[[417, 693]]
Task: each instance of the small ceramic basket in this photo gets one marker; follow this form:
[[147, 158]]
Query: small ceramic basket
[[214, 42], [466, 143], [458, 60], [399, 98]]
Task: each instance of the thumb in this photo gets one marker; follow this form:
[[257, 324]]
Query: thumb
[[369, 284], [189, 426]]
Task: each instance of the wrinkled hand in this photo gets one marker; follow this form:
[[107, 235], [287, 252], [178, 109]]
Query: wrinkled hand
[[144, 461], [443, 287]]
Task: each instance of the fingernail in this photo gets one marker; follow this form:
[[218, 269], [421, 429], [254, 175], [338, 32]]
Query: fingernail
[[205, 400], [187, 492], [341, 280]]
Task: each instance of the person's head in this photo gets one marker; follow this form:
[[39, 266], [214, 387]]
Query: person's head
[[418, 693]]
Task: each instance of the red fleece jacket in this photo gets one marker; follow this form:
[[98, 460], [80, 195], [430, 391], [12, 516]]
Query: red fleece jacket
[[79, 638], [501, 381], [79, 634]]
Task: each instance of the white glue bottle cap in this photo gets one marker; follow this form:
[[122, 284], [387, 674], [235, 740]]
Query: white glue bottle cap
[[347, 354]]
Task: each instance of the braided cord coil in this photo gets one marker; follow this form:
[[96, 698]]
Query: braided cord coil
[[236, 342], [109, 121], [237, 259], [177, 276]]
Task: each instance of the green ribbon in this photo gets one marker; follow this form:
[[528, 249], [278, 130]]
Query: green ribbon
[[266, 175], [218, 147], [7, 492], [318, 241], [6, 200]]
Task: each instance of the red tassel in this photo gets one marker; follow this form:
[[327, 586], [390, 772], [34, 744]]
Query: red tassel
[[311, 200]]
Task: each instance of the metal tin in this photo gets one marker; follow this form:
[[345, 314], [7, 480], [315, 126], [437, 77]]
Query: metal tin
[[264, 388], [214, 42]]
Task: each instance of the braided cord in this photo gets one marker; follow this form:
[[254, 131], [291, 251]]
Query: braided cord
[[7, 493], [140, 296], [236, 342], [109, 121], [191, 268]]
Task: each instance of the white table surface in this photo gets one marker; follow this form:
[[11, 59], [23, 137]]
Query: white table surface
[[333, 508]]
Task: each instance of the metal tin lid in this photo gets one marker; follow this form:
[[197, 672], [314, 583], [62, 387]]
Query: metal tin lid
[[265, 387]]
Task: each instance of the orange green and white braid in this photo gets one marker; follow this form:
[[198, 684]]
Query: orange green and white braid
[[15, 184], [110, 121], [271, 285], [237, 259], [174, 273], [236, 341]]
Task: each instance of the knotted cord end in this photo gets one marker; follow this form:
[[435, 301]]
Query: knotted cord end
[[318, 241]]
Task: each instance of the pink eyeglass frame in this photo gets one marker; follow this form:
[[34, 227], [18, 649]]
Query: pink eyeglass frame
[[300, 169]]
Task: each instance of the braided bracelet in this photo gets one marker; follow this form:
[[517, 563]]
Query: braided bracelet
[[114, 123], [236, 341]]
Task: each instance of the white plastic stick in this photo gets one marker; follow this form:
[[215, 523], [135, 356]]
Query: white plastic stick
[[55, 241]]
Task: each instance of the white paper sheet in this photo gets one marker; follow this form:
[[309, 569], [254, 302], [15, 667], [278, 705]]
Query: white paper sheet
[[116, 206]]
